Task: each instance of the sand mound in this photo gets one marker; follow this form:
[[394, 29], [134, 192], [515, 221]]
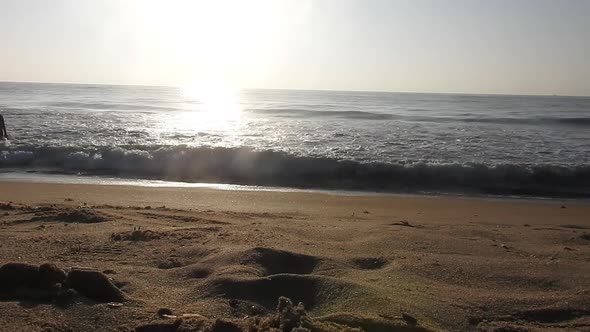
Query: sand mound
[[170, 263], [369, 263], [311, 290], [274, 261], [255, 262], [199, 272], [135, 235]]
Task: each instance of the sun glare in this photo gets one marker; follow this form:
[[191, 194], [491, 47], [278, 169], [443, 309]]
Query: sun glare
[[216, 101], [232, 39]]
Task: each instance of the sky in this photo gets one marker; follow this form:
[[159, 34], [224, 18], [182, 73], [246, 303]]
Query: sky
[[459, 46]]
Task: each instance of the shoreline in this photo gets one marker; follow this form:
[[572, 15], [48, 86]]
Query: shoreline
[[452, 263], [49, 178]]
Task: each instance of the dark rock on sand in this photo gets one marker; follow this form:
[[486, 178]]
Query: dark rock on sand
[[21, 275], [94, 285], [15, 275], [51, 275]]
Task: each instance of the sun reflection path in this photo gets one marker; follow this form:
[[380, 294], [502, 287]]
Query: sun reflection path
[[212, 112], [216, 101]]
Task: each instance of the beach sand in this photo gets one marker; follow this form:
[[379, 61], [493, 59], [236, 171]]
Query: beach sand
[[373, 261]]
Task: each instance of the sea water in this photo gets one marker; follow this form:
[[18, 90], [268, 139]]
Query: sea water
[[368, 141]]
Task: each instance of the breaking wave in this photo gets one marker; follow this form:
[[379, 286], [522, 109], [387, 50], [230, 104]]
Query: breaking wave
[[272, 168]]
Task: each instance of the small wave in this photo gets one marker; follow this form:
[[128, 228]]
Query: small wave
[[577, 121], [466, 117], [307, 113], [272, 168], [573, 121], [111, 106]]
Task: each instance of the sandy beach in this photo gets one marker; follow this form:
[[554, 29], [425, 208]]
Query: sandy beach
[[373, 262]]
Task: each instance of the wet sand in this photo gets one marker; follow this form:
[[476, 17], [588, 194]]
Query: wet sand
[[354, 261]]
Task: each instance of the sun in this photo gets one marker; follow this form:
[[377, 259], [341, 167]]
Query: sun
[[237, 40]]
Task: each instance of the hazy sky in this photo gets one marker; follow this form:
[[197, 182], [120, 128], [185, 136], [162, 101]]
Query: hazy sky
[[498, 46]]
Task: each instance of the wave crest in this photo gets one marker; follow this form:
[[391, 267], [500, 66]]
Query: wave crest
[[273, 168]]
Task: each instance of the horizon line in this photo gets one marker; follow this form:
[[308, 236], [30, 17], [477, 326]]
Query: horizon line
[[304, 89]]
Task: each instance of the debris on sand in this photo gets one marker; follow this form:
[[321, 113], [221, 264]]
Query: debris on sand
[[369, 263], [164, 311], [7, 206], [170, 263], [355, 322], [288, 315], [135, 235], [69, 215], [287, 318], [94, 285], [114, 305], [403, 223], [411, 320], [164, 326], [83, 216], [222, 325]]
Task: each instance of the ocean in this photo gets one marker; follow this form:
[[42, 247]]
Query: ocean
[[329, 140]]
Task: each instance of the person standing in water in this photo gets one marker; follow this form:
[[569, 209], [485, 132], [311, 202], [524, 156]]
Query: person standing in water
[[3, 132]]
